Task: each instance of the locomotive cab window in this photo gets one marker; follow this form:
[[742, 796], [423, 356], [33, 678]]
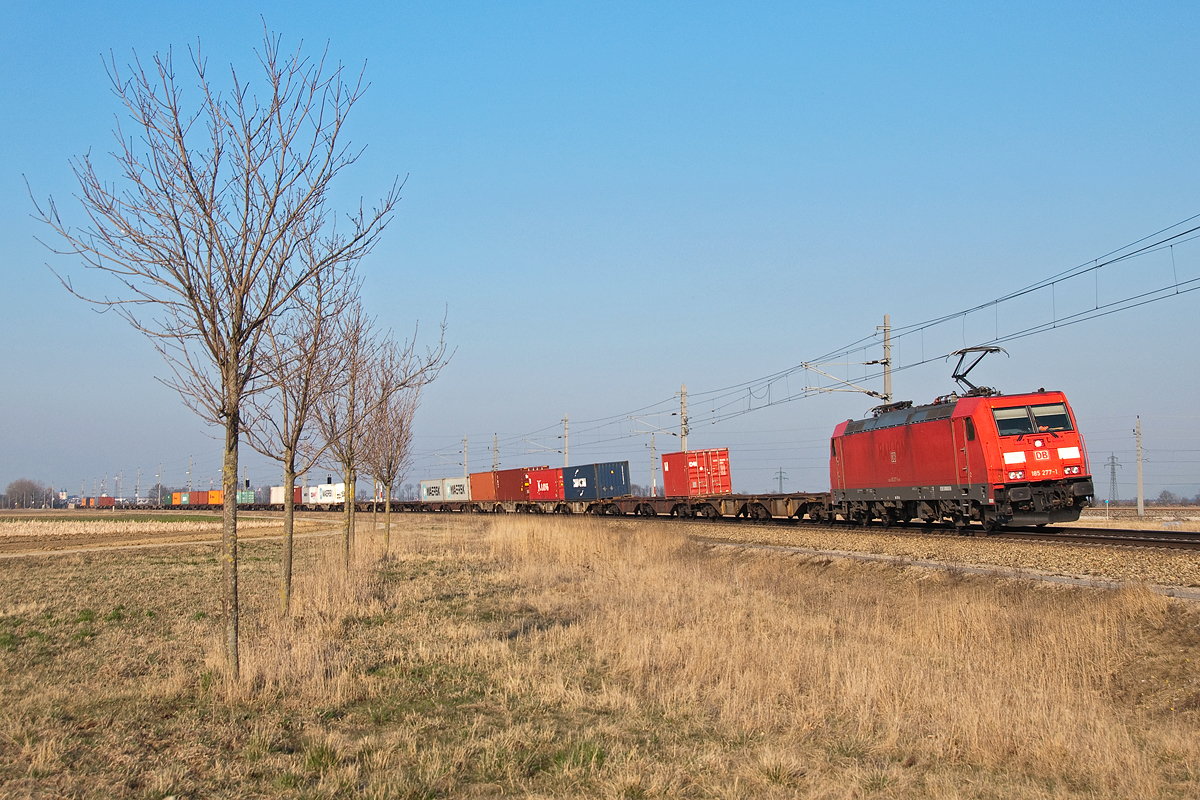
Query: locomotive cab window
[[1013, 421], [969, 425], [1051, 418]]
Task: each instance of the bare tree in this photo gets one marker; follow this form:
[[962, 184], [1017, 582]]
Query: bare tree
[[341, 413], [300, 369], [373, 370], [26, 493], [204, 224], [389, 445]]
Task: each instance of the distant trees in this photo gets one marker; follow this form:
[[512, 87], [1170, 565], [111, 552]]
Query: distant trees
[[157, 491], [1169, 498], [203, 230], [26, 493]]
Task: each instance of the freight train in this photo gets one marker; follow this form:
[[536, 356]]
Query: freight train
[[984, 460], [981, 461]]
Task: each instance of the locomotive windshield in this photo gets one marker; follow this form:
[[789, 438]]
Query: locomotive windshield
[[1013, 421], [1047, 418], [1052, 417]]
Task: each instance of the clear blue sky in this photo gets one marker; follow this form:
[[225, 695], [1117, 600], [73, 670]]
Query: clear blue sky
[[612, 200]]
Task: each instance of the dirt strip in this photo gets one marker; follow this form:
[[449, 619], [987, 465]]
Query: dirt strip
[[163, 543]]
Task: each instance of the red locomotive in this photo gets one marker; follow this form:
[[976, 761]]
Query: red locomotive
[[988, 458]]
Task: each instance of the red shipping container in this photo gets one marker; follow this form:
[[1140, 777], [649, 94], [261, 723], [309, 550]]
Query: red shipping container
[[697, 473], [546, 484], [483, 487], [513, 484], [198, 498], [106, 502]]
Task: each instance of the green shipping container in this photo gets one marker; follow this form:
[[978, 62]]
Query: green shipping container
[[245, 497]]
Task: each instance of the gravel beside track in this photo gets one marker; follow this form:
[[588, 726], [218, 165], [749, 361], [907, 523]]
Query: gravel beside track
[[1103, 562]]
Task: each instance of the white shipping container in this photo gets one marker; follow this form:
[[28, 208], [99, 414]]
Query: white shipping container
[[310, 495], [456, 490], [431, 491], [277, 495], [328, 493]]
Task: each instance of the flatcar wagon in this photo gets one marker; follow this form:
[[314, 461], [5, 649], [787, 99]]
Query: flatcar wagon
[[993, 459]]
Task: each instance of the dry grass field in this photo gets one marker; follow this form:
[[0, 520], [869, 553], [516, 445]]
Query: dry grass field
[[25, 532], [586, 658]]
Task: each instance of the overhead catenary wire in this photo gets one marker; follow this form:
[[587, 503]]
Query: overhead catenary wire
[[744, 397]]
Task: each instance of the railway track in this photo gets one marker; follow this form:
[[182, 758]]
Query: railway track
[[1167, 539], [1176, 540]]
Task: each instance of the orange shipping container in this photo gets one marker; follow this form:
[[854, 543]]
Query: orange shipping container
[[176, 498], [483, 487], [216, 497]]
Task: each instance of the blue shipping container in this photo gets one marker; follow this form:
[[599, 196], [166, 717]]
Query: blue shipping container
[[613, 479], [579, 483]]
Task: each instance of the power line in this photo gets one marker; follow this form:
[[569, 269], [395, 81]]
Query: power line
[[745, 397]]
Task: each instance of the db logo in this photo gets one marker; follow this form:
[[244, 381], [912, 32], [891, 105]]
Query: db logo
[[1041, 455]]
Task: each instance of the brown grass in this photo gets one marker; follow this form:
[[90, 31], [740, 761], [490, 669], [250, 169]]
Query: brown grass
[[59, 532], [47, 529], [587, 658]]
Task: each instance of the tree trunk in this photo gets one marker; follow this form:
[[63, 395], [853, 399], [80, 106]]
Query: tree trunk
[[387, 520], [229, 566], [289, 512], [348, 515]]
